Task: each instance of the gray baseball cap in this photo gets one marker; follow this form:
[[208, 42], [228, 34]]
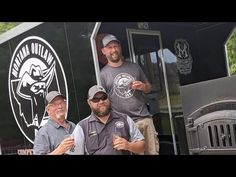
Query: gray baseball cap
[[95, 89], [53, 94], [108, 38]]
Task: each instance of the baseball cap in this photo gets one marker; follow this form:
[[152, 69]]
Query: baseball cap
[[53, 94], [95, 89], [108, 38]]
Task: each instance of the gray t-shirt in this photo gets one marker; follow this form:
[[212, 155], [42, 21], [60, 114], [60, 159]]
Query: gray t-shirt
[[95, 138], [116, 81], [50, 136]]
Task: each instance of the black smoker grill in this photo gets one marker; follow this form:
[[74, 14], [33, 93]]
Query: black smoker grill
[[210, 116]]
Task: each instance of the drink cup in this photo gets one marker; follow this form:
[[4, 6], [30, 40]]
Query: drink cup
[[116, 134], [71, 151]]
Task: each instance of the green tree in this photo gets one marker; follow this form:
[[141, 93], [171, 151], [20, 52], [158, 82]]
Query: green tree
[[231, 51], [5, 26]]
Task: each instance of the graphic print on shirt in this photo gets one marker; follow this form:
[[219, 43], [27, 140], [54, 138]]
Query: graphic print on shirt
[[119, 124], [122, 84]]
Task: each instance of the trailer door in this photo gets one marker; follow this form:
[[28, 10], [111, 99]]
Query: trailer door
[[145, 48]]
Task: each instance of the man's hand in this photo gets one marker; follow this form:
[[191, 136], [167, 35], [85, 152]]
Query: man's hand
[[138, 85], [64, 146]]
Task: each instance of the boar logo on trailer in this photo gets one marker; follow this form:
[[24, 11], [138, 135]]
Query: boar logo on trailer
[[34, 71], [184, 59]]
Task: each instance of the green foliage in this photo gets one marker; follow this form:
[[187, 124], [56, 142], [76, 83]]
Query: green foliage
[[231, 51], [5, 26]]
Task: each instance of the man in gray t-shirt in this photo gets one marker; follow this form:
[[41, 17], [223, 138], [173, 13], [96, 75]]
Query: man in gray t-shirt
[[127, 86], [54, 137], [118, 82]]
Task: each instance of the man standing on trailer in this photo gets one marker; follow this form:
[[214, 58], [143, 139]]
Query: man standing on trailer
[[127, 85]]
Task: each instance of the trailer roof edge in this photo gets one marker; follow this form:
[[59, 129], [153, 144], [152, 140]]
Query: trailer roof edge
[[19, 29]]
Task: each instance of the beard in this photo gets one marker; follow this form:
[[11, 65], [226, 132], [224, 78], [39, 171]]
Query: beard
[[100, 112], [60, 115], [115, 58]]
